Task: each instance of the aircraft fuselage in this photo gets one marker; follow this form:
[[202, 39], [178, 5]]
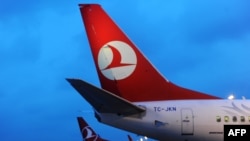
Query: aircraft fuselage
[[183, 120]]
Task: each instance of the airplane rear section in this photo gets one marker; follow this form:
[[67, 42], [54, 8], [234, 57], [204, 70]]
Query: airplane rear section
[[162, 120], [135, 97], [183, 124]]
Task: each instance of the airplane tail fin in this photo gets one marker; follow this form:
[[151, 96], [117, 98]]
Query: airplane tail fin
[[121, 67], [129, 138], [87, 132]]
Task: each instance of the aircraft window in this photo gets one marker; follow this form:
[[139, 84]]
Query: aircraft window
[[242, 118], [226, 118], [234, 118], [218, 118]]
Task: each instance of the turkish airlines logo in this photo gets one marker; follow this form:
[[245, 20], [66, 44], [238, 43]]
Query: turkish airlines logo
[[89, 133], [116, 60]]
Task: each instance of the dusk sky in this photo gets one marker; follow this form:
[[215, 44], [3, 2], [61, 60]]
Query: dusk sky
[[198, 44]]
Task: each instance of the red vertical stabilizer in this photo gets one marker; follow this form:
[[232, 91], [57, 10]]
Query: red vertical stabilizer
[[121, 67]]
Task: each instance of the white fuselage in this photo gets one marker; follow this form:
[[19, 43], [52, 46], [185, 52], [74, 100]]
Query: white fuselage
[[183, 120]]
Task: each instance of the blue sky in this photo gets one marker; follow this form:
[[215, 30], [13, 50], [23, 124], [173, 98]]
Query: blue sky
[[201, 45]]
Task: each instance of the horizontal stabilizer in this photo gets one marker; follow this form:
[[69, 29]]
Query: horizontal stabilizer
[[104, 101]]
